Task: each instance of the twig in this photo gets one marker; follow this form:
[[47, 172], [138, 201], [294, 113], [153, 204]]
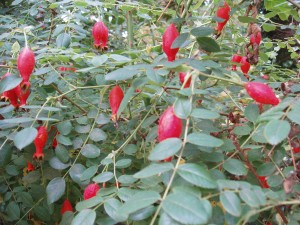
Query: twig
[[163, 12], [294, 3]]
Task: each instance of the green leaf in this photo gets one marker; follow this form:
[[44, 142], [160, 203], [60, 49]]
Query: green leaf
[[121, 74], [250, 197], [268, 27], [86, 217], [276, 131], [252, 112], [99, 60], [103, 177], [123, 163], [89, 173], [266, 169], [180, 40], [138, 201], [13, 211], [63, 40], [64, 127], [9, 82], [196, 175], [235, 166], [208, 44], [89, 203], [126, 100], [187, 209], [246, 19], [242, 130], [142, 213], [154, 169], [182, 108], [231, 203], [202, 31], [165, 149], [294, 116], [63, 140], [111, 207], [119, 58], [25, 137], [55, 189], [90, 151], [205, 114], [98, 135], [204, 140]]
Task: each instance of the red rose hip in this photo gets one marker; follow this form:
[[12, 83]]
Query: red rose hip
[[116, 96], [26, 61], [168, 38]]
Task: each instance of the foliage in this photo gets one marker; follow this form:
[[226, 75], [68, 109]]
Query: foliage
[[228, 144]]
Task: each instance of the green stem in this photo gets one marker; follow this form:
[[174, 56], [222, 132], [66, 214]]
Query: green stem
[[221, 78]]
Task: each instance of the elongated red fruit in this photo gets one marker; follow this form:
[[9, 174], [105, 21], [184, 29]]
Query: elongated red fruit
[[235, 59], [90, 191], [223, 13], [261, 93], [23, 93], [30, 167], [168, 38], [245, 65], [26, 61], [181, 78], [255, 38], [66, 207], [40, 142], [116, 96], [11, 95], [169, 126], [100, 35], [264, 183]]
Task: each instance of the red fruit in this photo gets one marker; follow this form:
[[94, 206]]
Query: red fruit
[[66, 206], [100, 35], [169, 126], [255, 38], [236, 59], [30, 167], [168, 38], [11, 95], [181, 78], [296, 150], [261, 93], [40, 142], [90, 191], [263, 181], [54, 142], [115, 98], [168, 159], [24, 92], [26, 61], [62, 68], [223, 13], [245, 66], [266, 77]]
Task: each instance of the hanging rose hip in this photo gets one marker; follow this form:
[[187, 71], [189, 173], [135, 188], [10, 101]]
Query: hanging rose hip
[[26, 61], [223, 13], [11, 95], [23, 93], [261, 93], [235, 59], [169, 126], [40, 142], [116, 96], [100, 35], [66, 207], [30, 167], [169, 36], [255, 38], [90, 191], [181, 78], [245, 65]]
